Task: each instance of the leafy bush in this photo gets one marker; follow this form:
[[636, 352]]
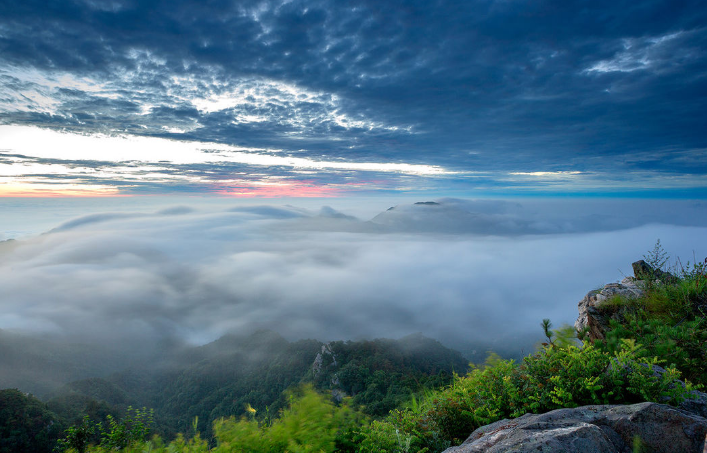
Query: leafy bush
[[310, 424], [131, 431], [134, 428], [553, 378], [77, 438], [682, 344]]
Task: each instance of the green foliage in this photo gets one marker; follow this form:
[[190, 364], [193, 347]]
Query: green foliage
[[675, 300], [235, 371], [132, 429], [77, 438], [682, 345], [74, 407], [695, 271], [563, 337], [657, 257], [546, 325], [381, 375], [566, 336], [668, 321], [312, 423], [553, 378], [225, 378], [26, 424], [222, 378]]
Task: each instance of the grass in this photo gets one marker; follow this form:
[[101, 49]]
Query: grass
[[669, 321], [616, 304]]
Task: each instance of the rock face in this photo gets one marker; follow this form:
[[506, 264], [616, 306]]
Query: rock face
[[696, 404], [319, 359], [595, 320], [326, 359], [606, 429], [644, 271]]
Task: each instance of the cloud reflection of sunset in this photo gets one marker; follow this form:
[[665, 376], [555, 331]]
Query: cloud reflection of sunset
[[281, 190]]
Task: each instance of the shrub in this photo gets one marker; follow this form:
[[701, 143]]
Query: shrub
[[668, 321], [134, 428], [311, 424], [77, 438], [553, 378]]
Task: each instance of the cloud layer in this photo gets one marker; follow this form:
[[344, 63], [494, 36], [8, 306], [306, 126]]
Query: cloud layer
[[193, 274]]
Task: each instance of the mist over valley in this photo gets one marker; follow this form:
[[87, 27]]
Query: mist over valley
[[107, 291]]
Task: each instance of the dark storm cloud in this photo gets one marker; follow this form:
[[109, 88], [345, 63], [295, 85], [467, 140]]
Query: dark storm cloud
[[477, 85]]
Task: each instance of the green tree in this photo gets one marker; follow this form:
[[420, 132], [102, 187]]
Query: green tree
[[78, 437], [26, 424], [657, 257], [134, 428]]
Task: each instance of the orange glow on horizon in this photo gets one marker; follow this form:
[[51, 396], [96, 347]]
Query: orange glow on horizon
[[58, 191], [298, 189]]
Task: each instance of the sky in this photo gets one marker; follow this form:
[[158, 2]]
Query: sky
[[183, 169], [327, 98]]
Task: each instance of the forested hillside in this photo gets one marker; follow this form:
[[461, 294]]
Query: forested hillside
[[237, 373]]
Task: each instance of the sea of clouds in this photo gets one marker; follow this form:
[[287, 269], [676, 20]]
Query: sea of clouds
[[459, 271]]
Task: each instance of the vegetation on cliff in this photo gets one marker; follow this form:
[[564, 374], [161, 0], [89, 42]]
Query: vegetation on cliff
[[666, 326], [668, 322]]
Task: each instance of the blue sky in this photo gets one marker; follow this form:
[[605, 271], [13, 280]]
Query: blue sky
[[332, 98]]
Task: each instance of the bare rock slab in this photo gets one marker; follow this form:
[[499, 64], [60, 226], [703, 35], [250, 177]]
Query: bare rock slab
[[593, 429]]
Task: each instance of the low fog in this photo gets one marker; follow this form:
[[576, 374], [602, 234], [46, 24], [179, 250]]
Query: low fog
[[462, 272]]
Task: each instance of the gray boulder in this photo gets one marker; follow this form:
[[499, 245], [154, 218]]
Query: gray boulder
[[593, 318], [589, 429], [695, 403]]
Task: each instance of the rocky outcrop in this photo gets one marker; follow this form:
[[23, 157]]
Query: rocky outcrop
[[695, 403], [644, 271], [607, 429], [319, 360], [326, 361], [595, 309], [646, 426], [594, 316]]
